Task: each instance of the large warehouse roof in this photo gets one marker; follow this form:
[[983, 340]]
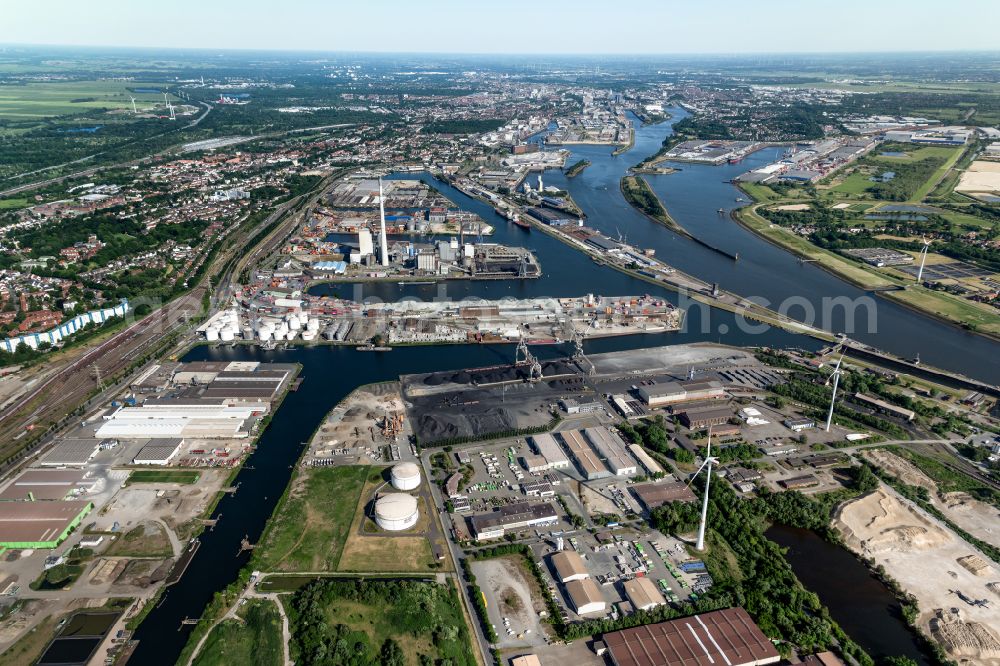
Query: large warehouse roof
[[727, 637], [569, 565], [643, 594], [38, 522], [585, 457], [549, 449], [44, 484], [655, 494], [585, 595]]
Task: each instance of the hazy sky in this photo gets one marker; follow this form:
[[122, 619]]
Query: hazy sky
[[511, 26]]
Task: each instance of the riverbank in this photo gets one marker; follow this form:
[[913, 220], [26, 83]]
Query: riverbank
[[937, 305]]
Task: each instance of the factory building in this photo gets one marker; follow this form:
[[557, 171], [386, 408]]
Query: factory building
[[672, 393], [194, 418], [70, 453], [548, 448], [646, 460], [39, 524], [699, 418], [612, 448], [405, 476], [643, 594], [585, 597], [589, 464], [510, 518], [396, 511], [653, 495], [568, 566], [157, 452], [727, 637]]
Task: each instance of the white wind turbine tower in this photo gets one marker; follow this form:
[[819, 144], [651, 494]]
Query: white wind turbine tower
[[707, 465], [134, 110], [923, 258], [833, 398]]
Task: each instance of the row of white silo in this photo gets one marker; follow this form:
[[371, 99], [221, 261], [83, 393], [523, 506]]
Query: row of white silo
[[225, 327]]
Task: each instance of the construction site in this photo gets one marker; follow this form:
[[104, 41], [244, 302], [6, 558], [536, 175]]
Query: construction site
[[956, 588]]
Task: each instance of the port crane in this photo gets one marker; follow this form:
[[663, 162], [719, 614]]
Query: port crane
[[533, 364], [575, 338]]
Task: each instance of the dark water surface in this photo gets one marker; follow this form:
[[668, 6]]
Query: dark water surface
[[858, 601]]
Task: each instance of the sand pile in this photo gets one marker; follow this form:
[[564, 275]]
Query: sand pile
[[902, 469], [964, 639], [976, 565], [879, 522]]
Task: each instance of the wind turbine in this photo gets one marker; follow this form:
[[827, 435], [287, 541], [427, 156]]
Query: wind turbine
[[833, 398], [134, 110], [923, 258], [709, 461]]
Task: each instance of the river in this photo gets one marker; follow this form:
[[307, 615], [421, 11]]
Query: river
[[693, 195], [858, 601]]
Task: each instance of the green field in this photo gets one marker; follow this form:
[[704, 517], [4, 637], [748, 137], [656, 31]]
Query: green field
[[186, 476], [918, 171], [310, 526], [420, 618], [36, 101], [13, 203], [256, 641]]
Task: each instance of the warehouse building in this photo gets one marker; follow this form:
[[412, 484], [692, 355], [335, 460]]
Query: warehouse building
[[70, 453], [589, 464], [510, 518], [643, 594], [548, 448], [646, 460], [39, 524], [699, 418], [612, 448], [653, 495], [568, 566], [585, 597], [727, 637], [186, 418], [46, 484], [800, 482], [672, 393], [534, 463], [158, 452]]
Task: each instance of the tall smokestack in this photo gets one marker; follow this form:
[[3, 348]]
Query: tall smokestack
[[383, 244]]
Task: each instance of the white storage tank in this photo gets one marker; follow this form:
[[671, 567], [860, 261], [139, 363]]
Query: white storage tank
[[211, 334], [396, 511], [264, 335], [291, 335], [406, 476], [227, 335], [293, 323], [313, 325]]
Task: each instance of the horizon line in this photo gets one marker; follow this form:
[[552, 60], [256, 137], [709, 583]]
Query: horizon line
[[668, 54]]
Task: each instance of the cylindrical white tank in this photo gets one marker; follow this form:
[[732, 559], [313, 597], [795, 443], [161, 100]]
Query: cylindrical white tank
[[211, 334], [227, 335], [264, 335], [291, 335], [396, 511], [308, 335], [293, 323], [405, 476], [313, 325]]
